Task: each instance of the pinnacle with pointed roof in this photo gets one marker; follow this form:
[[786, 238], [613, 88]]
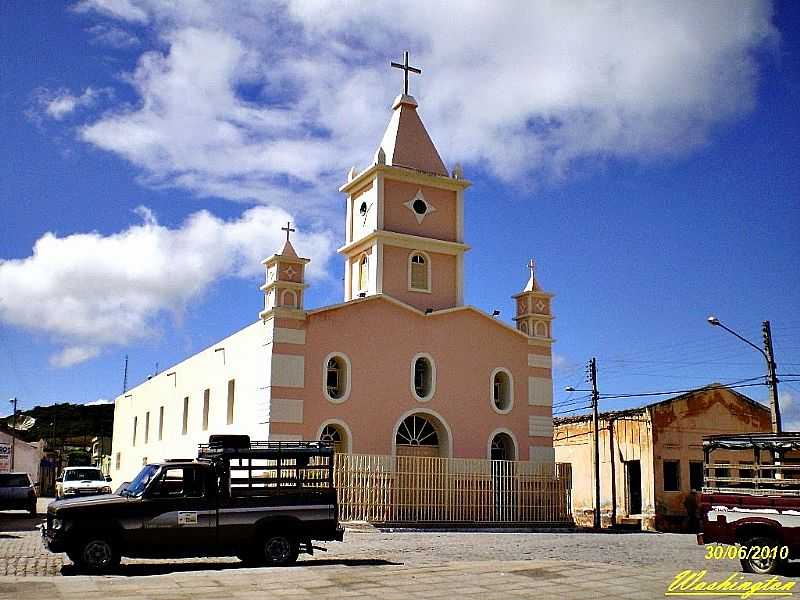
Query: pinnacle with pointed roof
[[406, 143]]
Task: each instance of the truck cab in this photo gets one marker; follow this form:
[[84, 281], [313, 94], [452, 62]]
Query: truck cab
[[262, 501], [751, 497]]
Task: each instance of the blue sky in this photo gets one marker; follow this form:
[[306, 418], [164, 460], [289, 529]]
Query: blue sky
[[645, 154]]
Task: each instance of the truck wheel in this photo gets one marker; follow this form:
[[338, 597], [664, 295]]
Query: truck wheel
[[759, 564], [280, 550], [96, 554]]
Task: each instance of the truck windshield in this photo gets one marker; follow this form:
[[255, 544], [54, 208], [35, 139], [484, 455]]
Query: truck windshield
[[138, 485], [83, 475]]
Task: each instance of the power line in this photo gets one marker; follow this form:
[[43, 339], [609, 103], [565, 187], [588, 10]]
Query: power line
[[613, 396]]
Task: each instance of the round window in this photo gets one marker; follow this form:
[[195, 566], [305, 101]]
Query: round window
[[419, 206]]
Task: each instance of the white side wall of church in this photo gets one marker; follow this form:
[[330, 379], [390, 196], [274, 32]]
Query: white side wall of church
[[241, 357]]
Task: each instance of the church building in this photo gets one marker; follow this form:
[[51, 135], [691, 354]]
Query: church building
[[401, 367]]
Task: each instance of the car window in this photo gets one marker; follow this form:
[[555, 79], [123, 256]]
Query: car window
[[14, 480], [180, 482], [139, 483], [83, 475]]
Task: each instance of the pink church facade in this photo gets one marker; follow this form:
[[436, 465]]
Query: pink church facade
[[402, 366]]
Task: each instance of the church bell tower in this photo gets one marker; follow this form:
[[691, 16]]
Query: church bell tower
[[534, 317], [405, 217], [285, 285]]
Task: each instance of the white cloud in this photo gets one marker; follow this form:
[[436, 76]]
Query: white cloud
[[90, 291], [73, 355], [57, 104], [277, 96], [115, 37], [99, 402]]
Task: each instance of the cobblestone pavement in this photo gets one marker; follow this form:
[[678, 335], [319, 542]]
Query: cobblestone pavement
[[380, 564]]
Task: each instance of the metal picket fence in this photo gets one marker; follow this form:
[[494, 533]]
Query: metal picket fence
[[418, 489]]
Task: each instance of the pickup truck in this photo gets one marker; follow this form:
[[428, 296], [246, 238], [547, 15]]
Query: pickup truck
[[264, 502], [751, 498]]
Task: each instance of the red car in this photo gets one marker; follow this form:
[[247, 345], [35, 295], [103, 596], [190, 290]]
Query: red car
[[751, 498]]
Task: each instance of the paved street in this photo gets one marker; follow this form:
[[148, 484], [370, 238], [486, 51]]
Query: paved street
[[384, 565]]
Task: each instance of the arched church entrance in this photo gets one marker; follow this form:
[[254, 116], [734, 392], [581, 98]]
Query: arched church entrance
[[504, 481], [420, 440], [417, 435]]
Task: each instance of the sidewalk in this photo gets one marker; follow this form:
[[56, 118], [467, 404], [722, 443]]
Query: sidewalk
[[357, 579]]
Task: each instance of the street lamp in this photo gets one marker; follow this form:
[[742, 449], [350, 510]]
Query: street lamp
[[772, 379]]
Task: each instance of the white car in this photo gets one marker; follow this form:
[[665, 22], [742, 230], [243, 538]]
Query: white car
[[81, 481]]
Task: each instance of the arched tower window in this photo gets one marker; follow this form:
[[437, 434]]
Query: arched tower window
[[523, 327], [419, 271], [289, 298], [502, 390], [363, 273], [541, 329]]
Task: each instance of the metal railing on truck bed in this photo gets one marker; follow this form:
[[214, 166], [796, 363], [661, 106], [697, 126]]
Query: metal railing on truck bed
[[265, 468], [779, 475]]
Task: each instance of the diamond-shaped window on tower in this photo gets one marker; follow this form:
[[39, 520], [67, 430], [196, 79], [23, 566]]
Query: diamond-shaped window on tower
[[419, 206]]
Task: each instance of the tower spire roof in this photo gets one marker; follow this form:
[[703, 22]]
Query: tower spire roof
[[406, 142], [532, 285]]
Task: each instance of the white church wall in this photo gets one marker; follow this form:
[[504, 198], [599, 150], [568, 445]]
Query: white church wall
[[241, 357]]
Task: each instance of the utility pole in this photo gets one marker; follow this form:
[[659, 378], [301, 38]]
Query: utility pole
[[125, 376], [13, 401], [772, 378], [596, 427]]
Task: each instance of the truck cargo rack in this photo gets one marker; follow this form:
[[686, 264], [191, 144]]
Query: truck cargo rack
[[779, 475], [259, 467]]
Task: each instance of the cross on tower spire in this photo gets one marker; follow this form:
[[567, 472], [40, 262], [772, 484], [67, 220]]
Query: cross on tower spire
[[532, 267], [288, 229], [406, 68]]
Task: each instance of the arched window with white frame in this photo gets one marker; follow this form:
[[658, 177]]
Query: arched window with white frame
[[419, 272], [336, 376], [501, 395], [363, 273], [289, 298]]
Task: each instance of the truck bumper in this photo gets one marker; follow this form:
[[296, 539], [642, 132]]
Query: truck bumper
[[52, 542]]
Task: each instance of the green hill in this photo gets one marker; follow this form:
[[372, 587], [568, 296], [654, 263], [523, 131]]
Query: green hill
[[68, 421]]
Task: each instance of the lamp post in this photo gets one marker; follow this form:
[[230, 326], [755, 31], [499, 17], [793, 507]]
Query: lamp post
[[768, 355]]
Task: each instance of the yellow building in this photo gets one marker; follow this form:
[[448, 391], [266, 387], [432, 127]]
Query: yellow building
[[651, 458]]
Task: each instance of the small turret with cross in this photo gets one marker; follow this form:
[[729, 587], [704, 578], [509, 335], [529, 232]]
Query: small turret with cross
[[285, 285], [533, 315]]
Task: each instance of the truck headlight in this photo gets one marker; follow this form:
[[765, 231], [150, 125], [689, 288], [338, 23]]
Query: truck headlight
[[106, 489], [57, 524], [70, 491]]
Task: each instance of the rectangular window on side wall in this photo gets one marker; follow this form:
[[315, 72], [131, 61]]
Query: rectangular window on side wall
[[231, 394], [696, 475], [160, 423], [147, 427], [206, 403], [672, 476], [118, 460], [185, 427], [135, 426]]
